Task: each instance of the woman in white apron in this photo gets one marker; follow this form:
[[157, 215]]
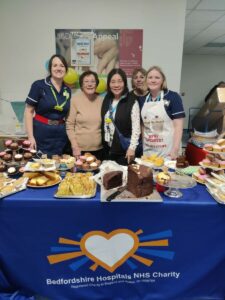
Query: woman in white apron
[[162, 117]]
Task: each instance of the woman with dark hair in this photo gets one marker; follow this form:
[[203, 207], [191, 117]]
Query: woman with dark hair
[[83, 124], [138, 83], [47, 105], [119, 113]]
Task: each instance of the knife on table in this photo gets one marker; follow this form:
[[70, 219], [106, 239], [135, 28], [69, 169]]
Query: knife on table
[[115, 194]]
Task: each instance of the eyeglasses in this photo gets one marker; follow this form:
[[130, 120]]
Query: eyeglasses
[[91, 82]]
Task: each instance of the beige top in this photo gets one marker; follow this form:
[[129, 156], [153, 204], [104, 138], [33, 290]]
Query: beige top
[[83, 124]]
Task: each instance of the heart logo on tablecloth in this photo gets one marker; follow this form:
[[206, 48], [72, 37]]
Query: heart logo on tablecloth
[[109, 250]]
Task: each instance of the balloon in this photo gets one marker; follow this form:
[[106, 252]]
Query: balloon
[[46, 64], [101, 88], [71, 76]]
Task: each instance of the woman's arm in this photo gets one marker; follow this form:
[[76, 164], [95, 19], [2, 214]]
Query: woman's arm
[[70, 127], [28, 117], [178, 132], [135, 134]]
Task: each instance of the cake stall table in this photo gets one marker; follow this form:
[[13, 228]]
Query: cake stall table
[[84, 249]]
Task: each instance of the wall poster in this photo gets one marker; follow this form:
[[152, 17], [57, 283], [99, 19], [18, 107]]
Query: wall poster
[[101, 49]]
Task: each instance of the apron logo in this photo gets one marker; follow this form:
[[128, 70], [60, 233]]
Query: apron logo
[[111, 250]]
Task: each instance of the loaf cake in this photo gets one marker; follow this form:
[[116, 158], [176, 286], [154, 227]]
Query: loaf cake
[[140, 180], [112, 179]]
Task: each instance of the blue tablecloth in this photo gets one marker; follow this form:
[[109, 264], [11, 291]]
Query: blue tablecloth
[[85, 249]]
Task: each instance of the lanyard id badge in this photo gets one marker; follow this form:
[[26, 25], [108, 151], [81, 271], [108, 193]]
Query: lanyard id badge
[[57, 106]]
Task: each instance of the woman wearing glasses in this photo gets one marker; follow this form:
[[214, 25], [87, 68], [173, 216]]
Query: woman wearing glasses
[[120, 115], [83, 124]]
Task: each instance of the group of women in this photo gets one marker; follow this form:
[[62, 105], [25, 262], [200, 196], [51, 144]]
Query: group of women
[[124, 124]]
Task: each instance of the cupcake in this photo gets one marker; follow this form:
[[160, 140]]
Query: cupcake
[[93, 165], [33, 152], [83, 158], [11, 170], [8, 143], [7, 157], [2, 168], [79, 163], [27, 155], [18, 157], [86, 166], [90, 159], [2, 153], [14, 146], [26, 144]]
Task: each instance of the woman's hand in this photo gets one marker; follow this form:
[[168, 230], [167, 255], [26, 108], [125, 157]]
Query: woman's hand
[[33, 144], [130, 155], [174, 154], [76, 152]]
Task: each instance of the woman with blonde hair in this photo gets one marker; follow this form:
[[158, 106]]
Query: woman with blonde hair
[[162, 116]]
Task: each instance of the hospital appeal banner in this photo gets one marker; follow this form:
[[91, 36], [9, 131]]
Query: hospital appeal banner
[[101, 49]]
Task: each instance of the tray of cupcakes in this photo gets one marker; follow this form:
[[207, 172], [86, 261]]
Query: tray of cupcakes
[[15, 156], [64, 162], [87, 163]]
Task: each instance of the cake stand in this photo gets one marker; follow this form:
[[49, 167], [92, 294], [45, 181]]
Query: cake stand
[[178, 182]]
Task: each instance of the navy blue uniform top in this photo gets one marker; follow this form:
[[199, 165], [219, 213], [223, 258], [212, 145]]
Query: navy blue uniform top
[[50, 139], [42, 99], [173, 104]]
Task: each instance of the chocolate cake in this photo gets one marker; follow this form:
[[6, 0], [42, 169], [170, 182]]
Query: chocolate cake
[[140, 180], [182, 162], [112, 179]]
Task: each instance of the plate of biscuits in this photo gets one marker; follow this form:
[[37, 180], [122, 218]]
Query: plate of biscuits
[[42, 179]]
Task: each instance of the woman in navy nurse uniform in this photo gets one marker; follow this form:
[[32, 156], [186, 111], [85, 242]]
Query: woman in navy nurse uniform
[[162, 116], [47, 106]]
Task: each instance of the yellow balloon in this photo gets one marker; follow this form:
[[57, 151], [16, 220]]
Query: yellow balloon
[[101, 88], [71, 76]]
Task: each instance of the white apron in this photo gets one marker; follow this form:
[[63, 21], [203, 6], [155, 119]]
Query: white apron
[[158, 128]]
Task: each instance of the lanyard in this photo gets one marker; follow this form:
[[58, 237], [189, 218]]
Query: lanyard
[[59, 107], [159, 97]]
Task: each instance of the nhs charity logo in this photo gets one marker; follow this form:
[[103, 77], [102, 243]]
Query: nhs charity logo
[[113, 249]]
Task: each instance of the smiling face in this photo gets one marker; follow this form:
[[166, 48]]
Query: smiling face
[[116, 85], [154, 81], [58, 70], [89, 85], [139, 81]]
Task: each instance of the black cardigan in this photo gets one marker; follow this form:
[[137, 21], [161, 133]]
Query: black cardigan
[[122, 121]]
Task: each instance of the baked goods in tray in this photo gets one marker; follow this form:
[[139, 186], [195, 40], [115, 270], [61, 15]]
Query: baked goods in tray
[[139, 180], [218, 147], [214, 161], [42, 179], [77, 185], [112, 179]]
